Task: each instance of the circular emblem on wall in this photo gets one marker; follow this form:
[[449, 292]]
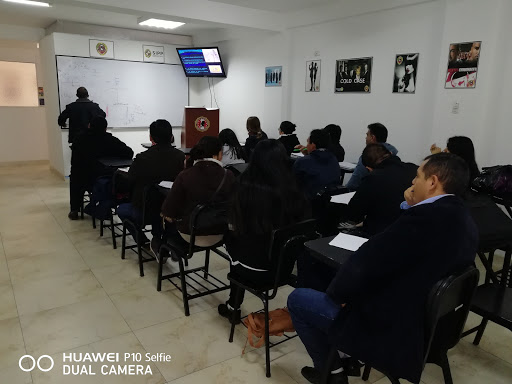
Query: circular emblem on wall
[[399, 60], [202, 124], [147, 53], [101, 48], [366, 88]]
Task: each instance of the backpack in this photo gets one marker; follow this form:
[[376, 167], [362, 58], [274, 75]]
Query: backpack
[[102, 199], [496, 181]]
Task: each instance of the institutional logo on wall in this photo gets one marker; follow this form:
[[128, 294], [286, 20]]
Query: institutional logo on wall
[[153, 53], [202, 124], [101, 48], [147, 53]]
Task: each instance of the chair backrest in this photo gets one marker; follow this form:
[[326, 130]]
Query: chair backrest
[[152, 203], [326, 215], [447, 310], [237, 168], [285, 245]]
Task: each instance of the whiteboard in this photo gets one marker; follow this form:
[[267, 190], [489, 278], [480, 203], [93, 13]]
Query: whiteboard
[[132, 94]]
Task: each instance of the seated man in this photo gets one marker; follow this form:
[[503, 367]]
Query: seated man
[[161, 162], [93, 144], [318, 169], [374, 308], [377, 201], [377, 133]]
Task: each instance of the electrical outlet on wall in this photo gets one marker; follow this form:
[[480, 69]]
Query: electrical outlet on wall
[[455, 108], [317, 53]]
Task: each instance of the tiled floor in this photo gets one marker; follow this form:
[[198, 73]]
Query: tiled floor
[[64, 289]]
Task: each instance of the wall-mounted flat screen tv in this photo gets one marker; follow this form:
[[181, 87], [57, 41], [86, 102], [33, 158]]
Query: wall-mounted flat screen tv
[[201, 62]]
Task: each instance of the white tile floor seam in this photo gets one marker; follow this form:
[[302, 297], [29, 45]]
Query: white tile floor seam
[[72, 292]]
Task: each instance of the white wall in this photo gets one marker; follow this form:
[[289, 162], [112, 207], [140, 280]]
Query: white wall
[[22, 129], [78, 45], [414, 121]]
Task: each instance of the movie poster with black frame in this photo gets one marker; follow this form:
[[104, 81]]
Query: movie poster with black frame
[[313, 73], [463, 61], [406, 72], [353, 75]]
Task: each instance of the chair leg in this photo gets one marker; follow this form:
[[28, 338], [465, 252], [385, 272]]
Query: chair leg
[[93, 222], [267, 338], [139, 252], [123, 242], [184, 287], [366, 372], [206, 264], [101, 228], [160, 270], [112, 227], [329, 365], [232, 331], [186, 262], [480, 333], [445, 365], [393, 380]]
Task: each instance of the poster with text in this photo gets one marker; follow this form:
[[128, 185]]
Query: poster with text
[[463, 65], [406, 69], [353, 75], [313, 76], [273, 76]]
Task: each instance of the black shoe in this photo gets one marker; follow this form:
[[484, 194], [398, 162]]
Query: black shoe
[[314, 376], [224, 311], [73, 215], [351, 366]]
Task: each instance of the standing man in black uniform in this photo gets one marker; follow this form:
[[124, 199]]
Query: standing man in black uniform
[[80, 113]]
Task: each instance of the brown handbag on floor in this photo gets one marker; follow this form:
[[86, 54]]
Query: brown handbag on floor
[[280, 322]]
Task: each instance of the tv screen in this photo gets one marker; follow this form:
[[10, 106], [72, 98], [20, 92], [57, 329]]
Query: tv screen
[[201, 62]]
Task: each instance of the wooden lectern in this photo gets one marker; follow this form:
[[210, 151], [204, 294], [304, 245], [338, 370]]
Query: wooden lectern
[[198, 122]]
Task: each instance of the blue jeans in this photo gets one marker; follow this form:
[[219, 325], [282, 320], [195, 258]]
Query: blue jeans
[[313, 313]]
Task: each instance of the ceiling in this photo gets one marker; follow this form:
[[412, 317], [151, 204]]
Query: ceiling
[[200, 16]]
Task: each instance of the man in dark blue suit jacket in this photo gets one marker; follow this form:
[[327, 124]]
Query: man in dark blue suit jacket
[[374, 308]]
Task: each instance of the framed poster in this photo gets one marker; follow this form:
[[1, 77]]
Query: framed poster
[[463, 65], [313, 76], [353, 75], [406, 69], [273, 76]]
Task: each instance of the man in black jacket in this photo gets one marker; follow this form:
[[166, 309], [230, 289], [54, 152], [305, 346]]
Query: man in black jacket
[[80, 113], [88, 148], [374, 308], [161, 162], [377, 201]]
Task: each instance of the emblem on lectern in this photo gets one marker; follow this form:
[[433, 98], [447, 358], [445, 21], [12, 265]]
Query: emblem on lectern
[[202, 124]]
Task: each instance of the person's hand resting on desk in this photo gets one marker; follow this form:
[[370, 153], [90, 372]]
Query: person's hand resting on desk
[[301, 148]]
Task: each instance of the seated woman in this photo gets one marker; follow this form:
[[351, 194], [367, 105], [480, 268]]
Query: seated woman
[[255, 135], [461, 146], [202, 181], [232, 151], [287, 137], [265, 198]]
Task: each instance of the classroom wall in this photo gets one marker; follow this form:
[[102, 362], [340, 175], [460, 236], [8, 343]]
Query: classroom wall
[[22, 129], [78, 45], [414, 121]]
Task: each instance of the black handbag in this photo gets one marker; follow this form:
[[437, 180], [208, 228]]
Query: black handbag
[[210, 218]]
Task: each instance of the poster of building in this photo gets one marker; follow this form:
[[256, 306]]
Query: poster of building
[[273, 76], [406, 69], [313, 76], [353, 75], [463, 65]]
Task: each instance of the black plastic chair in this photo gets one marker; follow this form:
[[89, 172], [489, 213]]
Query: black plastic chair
[[183, 251], [326, 214], [238, 168], [446, 312], [152, 203], [117, 199], [285, 245]]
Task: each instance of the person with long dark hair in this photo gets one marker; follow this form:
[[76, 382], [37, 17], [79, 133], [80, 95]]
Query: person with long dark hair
[[232, 151], [197, 184], [461, 146], [255, 135], [266, 197]]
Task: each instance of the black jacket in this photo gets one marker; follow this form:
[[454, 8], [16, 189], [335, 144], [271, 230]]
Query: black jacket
[[160, 162], [251, 143], [386, 282], [378, 198], [338, 151], [88, 148], [315, 171], [79, 113], [289, 142]]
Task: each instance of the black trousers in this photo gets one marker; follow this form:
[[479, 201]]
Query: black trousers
[[77, 187]]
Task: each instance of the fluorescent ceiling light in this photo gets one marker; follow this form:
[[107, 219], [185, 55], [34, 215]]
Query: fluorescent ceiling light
[[29, 2], [161, 23]]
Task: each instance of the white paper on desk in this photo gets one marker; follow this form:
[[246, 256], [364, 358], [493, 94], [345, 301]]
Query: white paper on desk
[[297, 154], [348, 166], [343, 198], [166, 184], [124, 169], [348, 242]]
